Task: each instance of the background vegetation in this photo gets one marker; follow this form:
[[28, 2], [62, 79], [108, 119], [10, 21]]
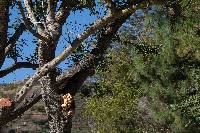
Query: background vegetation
[[150, 79]]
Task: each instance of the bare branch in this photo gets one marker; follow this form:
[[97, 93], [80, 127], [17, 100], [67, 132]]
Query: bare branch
[[28, 23], [67, 51], [14, 38], [86, 67], [16, 66]]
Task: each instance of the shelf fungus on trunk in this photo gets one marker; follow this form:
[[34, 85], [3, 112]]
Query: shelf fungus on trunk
[[68, 105]]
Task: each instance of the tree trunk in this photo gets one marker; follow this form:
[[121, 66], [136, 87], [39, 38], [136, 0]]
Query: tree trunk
[[52, 101], [57, 121], [4, 6]]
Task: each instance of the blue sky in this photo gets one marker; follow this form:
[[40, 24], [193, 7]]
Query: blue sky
[[76, 23]]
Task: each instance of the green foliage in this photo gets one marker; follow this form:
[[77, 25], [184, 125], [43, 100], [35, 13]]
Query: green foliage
[[151, 85], [116, 94]]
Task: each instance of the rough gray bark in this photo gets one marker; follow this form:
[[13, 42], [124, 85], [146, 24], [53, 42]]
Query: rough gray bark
[[52, 102]]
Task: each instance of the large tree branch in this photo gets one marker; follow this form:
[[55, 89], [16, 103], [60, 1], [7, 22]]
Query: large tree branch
[[12, 41], [67, 51], [16, 66], [4, 16], [86, 68]]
